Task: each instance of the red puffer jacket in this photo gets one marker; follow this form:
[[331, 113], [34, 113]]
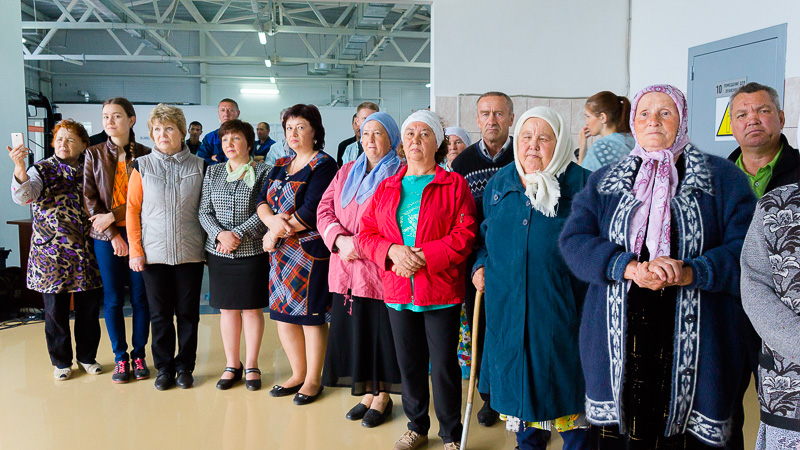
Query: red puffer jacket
[[445, 233]]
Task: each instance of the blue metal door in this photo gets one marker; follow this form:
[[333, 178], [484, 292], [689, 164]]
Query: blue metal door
[[717, 69]]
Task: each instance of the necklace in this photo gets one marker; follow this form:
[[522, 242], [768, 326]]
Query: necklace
[[295, 167]]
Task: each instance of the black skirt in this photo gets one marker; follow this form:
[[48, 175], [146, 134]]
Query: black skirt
[[234, 283], [360, 352]]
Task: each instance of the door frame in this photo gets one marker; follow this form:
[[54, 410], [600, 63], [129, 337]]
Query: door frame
[[775, 32]]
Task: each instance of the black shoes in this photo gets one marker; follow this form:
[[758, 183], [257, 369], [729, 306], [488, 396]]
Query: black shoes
[[487, 416], [253, 385], [164, 380], [303, 399], [357, 412], [122, 372], [140, 370], [185, 379], [373, 417], [280, 391], [224, 384]]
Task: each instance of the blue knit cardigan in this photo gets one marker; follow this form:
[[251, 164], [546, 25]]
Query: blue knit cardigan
[[712, 209]]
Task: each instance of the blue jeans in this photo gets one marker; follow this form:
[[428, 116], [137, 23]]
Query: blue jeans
[[115, 272], [533, 438]]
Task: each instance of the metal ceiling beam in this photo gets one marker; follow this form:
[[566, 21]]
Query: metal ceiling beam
[[52, 31], [250, 60], [231, 28]]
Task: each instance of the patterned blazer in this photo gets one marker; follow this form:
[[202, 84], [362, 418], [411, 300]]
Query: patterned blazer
[[232, 206], [711, 209]]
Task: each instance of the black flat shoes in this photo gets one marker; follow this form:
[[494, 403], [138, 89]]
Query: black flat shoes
[[357, 412], [303, 399], [224, 384], [280, 391], [253, 385], [373, 417]]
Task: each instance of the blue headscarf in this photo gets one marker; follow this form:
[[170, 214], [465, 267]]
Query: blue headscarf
[[360, 184]]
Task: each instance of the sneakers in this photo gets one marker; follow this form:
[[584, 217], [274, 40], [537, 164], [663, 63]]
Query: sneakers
[[93, 368], [121, 372], [452, 446], [62, 374], [411, 440], [140, 370]]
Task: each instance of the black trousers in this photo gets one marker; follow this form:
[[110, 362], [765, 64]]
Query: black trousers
[[87, 326], [174, 291], [419, 338]]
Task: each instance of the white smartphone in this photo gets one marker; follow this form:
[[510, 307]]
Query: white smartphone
[[17, 139]]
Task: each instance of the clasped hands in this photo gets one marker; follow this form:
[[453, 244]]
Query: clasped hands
[[659, 273], [279, 228], [406, 260]]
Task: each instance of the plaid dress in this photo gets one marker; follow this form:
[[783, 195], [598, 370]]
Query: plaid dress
[[298, 274]]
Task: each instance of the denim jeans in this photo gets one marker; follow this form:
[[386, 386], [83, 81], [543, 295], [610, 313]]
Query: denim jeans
[[115, 272]]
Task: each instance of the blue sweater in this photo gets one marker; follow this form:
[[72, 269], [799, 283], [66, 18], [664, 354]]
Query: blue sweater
[[712, 210]]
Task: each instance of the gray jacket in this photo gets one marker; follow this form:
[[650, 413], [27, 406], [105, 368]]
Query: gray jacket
[[771, 297], [171, 189]]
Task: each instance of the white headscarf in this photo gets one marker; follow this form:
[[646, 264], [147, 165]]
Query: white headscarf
[[542, 187], [428, 118], [460, 132]]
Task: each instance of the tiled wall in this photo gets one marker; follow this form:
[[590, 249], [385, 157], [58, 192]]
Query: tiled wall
[[572, 110]]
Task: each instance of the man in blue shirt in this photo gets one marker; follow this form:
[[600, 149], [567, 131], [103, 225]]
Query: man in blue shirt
[[263, 143], [211, 147]]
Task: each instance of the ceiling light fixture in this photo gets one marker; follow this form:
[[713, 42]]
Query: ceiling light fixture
[[428, 85], [268, 62], [262, 37], [259, 91], [272, 80]]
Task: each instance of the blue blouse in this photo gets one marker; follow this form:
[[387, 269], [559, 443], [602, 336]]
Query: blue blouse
[[608, 150]]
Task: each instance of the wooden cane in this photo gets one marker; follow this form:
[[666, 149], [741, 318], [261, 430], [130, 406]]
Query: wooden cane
[[473, 367]]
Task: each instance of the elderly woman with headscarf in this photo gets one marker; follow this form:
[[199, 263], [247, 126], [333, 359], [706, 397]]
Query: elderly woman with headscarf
[[457, 141], [360, 350], [531, 365], [658, 237], [419, 229]]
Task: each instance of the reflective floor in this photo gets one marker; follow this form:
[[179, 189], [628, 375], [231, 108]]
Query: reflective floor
[[91, 412]]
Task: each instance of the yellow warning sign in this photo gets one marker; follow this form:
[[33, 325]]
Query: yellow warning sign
[[724, 128]]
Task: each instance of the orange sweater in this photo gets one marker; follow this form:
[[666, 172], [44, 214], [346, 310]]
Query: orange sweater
[[133, 215]]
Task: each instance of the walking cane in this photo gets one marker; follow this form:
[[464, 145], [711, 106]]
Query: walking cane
[[473, 367]]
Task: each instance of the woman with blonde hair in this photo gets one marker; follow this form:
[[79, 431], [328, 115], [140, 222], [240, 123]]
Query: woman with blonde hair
[[167, 242]]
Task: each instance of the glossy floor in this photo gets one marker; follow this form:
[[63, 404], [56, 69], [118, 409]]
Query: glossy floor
[[91, 412]]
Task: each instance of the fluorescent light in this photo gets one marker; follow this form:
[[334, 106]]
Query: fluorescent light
[[259, 91], [268, 62], [24, 40], [272, 80], [428, 85], [262, 37]]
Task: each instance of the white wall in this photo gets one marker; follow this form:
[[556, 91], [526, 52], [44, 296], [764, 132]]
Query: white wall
[[535, 47], [662, 33], [13, 118]]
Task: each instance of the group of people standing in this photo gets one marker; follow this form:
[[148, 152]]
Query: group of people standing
[[612, 314]]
